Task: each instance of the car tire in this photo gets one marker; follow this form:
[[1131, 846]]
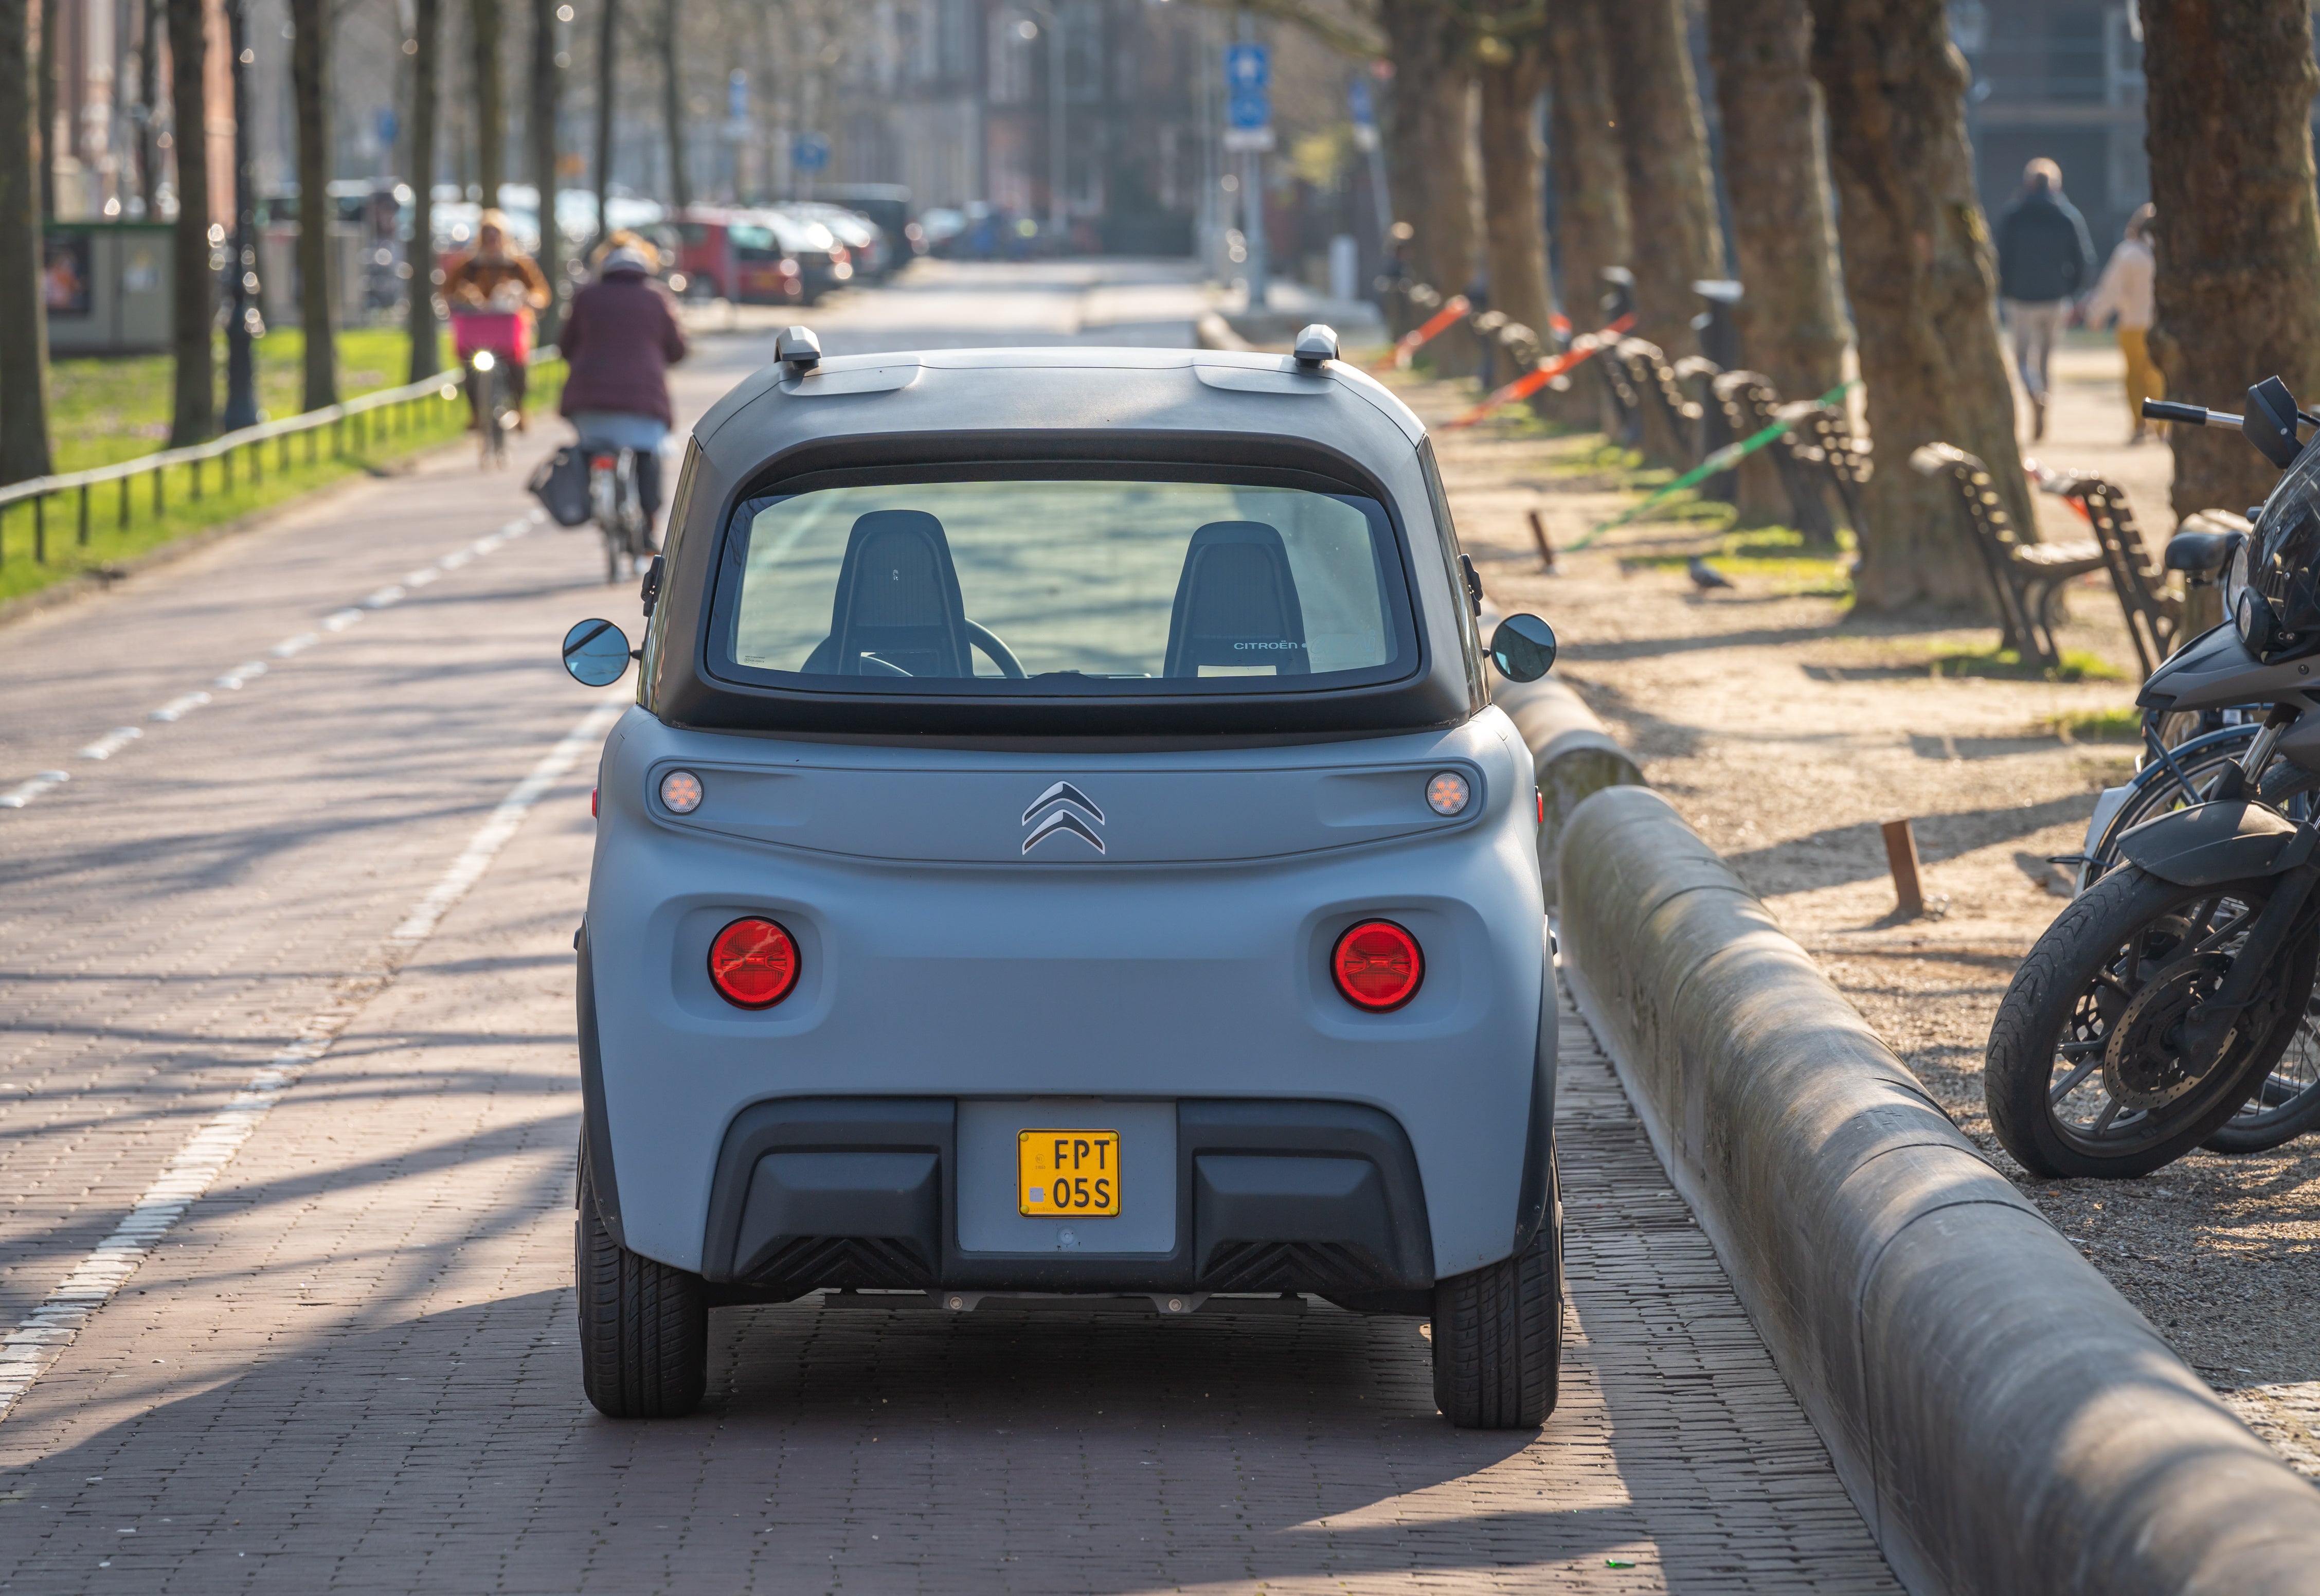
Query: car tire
[[644, 1327], [1498, 1333]]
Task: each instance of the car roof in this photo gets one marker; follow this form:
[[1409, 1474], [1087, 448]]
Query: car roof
[[1075, 389]]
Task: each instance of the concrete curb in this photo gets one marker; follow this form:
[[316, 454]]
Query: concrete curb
[[2003, 1419], [1572, 757]]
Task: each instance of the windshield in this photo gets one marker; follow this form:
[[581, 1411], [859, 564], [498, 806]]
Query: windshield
[[2287, 534], [1064, 584]]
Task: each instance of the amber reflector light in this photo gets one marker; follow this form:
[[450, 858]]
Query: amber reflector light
[[1378, 965], [753, 962]]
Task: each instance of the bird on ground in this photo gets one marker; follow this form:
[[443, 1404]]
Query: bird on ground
[[1704, 576]]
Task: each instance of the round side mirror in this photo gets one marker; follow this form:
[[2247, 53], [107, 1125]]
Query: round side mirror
[[1523, 648], [596, 653]]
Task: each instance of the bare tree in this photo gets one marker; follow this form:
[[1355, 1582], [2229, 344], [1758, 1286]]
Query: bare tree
[[2231, 88], [672, 84], [149, 105], [310, 68], [1670, 192], [1922, 281], [45, 131], [1791, 327], [608, 57], [1432, 144], [194, 398], [1584, 159], [489, 107], [426, 71], [546, 104], [1513, 73], [23, 319]]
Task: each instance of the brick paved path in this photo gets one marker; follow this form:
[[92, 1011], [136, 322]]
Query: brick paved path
[[350, 1365]]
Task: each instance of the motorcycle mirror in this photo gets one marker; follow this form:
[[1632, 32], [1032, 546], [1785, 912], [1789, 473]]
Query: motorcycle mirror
[[596, 653], [1523, 648], [2269, 422]]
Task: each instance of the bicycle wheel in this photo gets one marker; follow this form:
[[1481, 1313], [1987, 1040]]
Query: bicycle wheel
[[2156, 791]]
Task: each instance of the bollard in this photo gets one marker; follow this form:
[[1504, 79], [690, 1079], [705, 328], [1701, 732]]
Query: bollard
[[1901, 854], [1546, 547]]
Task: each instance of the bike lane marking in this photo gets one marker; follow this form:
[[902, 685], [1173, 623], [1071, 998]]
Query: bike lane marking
[[33, 1342], [119, 738]]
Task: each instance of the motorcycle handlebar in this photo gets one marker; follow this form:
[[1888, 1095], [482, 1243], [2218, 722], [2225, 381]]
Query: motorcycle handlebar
[[2197, 415]]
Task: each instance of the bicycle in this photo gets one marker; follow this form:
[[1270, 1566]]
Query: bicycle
[[618, 509], [486, 341]]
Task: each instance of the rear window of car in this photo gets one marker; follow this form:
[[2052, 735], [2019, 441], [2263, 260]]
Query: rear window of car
[[1066, 583]]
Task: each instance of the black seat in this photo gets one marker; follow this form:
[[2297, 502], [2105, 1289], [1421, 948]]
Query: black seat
[[898, 607], [1236, 604]]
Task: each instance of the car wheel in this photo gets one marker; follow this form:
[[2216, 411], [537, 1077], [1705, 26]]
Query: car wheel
[[644, 1327], [1498, 1333]]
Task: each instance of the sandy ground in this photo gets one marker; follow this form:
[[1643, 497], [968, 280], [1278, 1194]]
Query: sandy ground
[[1786, 729]]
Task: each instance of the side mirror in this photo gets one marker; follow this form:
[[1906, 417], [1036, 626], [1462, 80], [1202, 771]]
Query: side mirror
[[1523, 648], [2269, 422], [596, 653]]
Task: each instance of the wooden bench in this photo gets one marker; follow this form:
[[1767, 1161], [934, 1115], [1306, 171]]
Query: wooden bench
[[1750, 403], [2026, 577]]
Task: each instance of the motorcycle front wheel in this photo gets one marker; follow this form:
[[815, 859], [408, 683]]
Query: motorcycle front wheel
[[2088, 1073]]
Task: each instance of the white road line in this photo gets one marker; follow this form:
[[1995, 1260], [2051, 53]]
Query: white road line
[[23, 792], [112, 742], [177, 708], [28, 1350]]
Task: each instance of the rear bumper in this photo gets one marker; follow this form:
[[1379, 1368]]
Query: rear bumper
[[1271, 1196]]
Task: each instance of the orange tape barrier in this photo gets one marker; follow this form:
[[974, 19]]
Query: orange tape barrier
[[1436, 324], [1545, 372]]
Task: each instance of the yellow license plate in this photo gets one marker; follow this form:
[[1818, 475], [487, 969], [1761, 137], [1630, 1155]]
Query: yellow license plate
[[1067, 1172]]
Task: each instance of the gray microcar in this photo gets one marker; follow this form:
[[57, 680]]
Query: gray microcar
[[1063, 846]]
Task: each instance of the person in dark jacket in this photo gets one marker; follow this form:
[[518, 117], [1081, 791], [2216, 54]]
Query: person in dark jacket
[[2045, 261], [619, 339]]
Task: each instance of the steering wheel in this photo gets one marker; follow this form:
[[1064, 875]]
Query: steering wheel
[[999, 653]]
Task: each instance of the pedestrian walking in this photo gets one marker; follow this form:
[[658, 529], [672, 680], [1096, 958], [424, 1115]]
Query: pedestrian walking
[[2124, 291], [2044, 260]]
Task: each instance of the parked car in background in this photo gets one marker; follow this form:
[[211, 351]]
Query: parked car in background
[[939, 230], [888, 206], [865, 244], [728, 253], [824, 262]]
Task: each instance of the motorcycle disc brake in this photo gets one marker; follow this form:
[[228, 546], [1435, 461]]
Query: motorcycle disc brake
[[2145, 1065]]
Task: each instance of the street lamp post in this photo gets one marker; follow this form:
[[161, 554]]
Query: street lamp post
[[244, 324]]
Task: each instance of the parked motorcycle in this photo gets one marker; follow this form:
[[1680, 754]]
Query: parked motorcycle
[[2169, 1005]]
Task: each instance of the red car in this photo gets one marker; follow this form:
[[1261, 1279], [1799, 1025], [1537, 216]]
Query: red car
[[737, 255]]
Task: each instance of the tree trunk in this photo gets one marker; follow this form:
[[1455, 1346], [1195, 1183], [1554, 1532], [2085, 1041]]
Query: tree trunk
[[310, 68], [1590, 177], [1671, 195], [672, 80], [24, 317], [194, 398], [1790, 326], [426, 70], [1434, 188], [539, 129], [1922, 280], [52, 13], [489, 108], [2230, 88], [149, 100], [608, 55], [1513, 204]]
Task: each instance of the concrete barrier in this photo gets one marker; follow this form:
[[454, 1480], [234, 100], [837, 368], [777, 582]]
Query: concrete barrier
[[1572, 755], [2003, 1419]]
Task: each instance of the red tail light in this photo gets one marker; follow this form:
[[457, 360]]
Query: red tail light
[[601, 462], [1377, 966], [754, 963]]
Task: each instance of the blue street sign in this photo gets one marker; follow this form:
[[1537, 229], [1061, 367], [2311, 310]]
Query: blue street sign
[[389, 125], [1248, 109], [737, 96], [1247, 66], [1357, 98], [809, 152]]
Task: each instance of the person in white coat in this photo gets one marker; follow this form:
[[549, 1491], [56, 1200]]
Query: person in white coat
[[2127, 291]]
